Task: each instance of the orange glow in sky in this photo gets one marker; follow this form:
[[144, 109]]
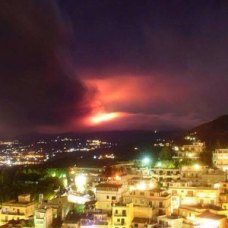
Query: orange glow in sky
[[104, 117]]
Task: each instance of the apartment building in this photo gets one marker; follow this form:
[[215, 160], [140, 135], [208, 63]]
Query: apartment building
[[107, 194], [220, 159], [22, 208], [122, 215]]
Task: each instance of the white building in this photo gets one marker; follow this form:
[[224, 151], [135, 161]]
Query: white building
[[191, 151], [23, 208], [107, 194], [43, 217], [170, 221]]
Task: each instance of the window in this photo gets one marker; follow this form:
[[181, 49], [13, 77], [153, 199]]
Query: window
[[107, 197], [136, 225], [113, 198], [141, 193], [116, 212]]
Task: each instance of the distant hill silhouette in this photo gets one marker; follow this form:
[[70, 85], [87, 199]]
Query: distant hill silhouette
[[214, 133]]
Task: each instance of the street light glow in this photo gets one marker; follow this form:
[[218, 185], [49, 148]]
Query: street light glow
[[80, 182], [146, 161]]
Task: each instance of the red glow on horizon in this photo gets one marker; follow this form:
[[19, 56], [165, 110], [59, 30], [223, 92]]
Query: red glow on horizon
[[103, 117]]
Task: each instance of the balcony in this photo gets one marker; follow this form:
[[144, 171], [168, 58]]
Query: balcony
[[119, 223], [120, 215], [12, 213]]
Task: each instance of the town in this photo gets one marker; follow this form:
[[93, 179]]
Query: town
[[173, 191], [113, 114]]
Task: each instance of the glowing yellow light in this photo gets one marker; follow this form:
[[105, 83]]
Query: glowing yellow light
[[72, 172], [201, 194], [80, 182], [197, 167], [104, 117], [217, 185], [141, 186], [117, 177], [151, 185]]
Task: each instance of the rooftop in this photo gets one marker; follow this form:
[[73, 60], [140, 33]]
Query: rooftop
[[143, 220], [72, 217], [209, 215], [108, 185], [199, 206]]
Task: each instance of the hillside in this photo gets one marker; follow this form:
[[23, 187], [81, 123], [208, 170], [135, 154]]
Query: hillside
[[214, 133]]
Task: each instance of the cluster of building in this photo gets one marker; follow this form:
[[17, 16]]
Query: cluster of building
[[25, 212], [192, 196], [23, 158], [14, 153]]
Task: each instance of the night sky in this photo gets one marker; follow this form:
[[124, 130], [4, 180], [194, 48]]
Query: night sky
[[85, 65]]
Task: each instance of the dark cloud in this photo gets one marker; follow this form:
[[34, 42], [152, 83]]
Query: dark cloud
[[36, 89], [175, 51], [181, 41]]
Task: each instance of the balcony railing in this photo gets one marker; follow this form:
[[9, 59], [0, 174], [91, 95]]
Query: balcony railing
[[120, 215], [12, 213]]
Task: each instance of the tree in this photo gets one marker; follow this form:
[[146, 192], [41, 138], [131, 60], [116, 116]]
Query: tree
[[165, 154]]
